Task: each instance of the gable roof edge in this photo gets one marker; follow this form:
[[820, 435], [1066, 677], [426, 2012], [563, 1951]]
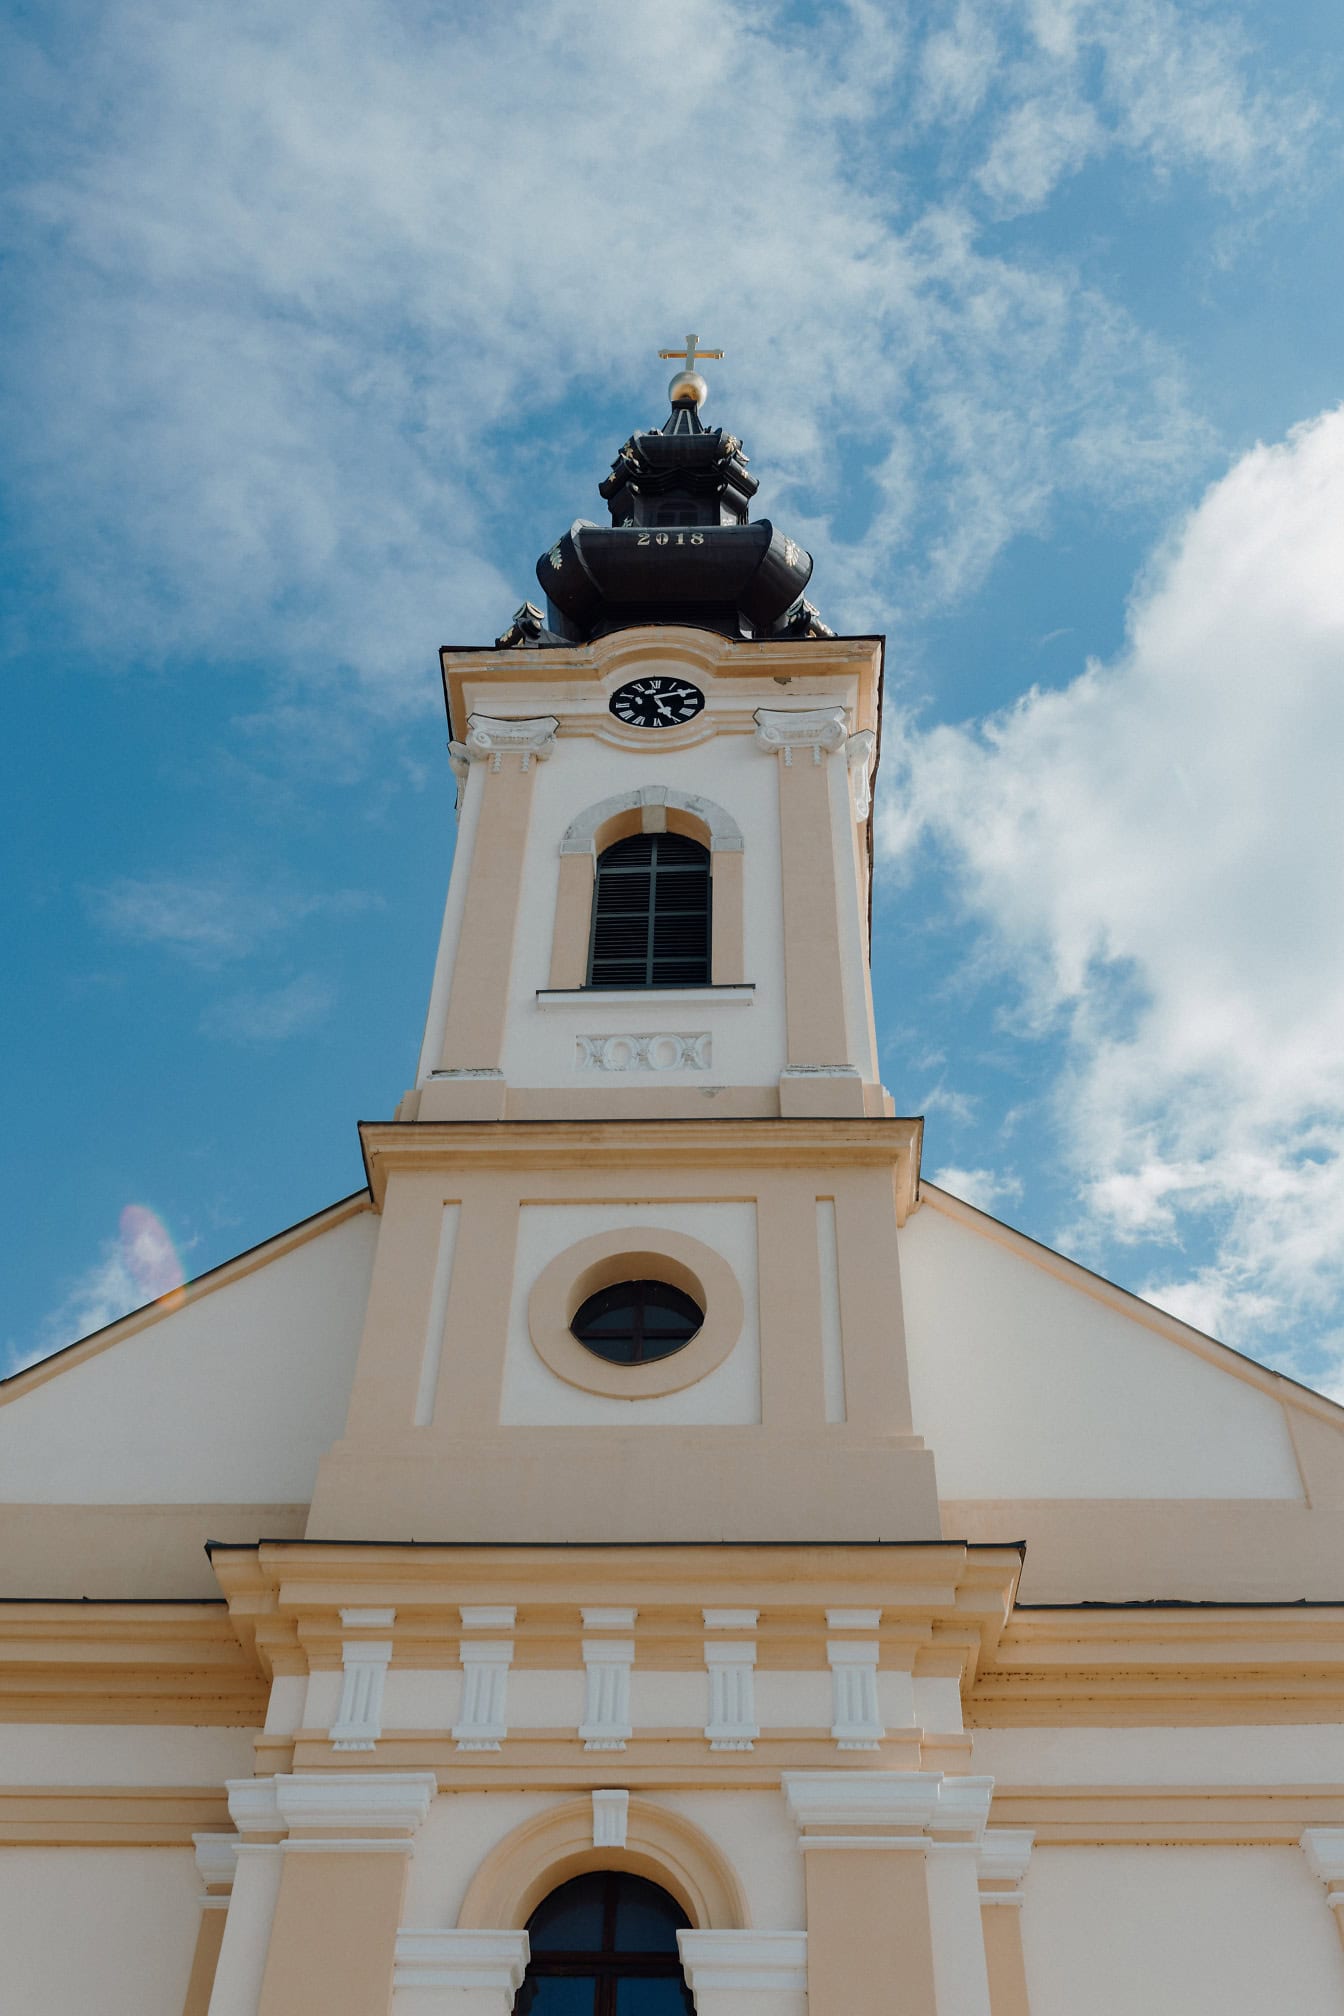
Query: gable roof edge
[[1281, 1386], [240, 1265]]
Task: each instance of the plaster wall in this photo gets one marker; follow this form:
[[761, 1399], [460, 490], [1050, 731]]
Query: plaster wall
[[231, 1399], [42, 1753], [95, 1929], [1025, 1387], [533, 1395], [1262, 1754], [757, 1836], [747, 1042], [1178, 1932]]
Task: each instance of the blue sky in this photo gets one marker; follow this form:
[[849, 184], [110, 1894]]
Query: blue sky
[[323, 322]]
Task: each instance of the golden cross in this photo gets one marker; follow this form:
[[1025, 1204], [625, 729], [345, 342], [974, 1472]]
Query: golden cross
[[690, 353]]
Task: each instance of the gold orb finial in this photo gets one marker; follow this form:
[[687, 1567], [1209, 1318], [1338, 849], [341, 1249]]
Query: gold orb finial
[[688, 388]]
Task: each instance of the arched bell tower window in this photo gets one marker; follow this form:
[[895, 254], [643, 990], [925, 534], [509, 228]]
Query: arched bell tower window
[[651, 923], [605, 1945]]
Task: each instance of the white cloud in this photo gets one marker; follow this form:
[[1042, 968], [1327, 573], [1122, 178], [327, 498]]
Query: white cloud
[[1154, 853], [214, 919], [286, 274], [270, 1015], [985, 1188], [140, 1265]]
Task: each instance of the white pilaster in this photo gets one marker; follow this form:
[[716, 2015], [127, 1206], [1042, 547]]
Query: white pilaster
[[607, 1662], [731, 1665], [364, 1663], [1001, 1864], [857, 1723], [256, 1885], [483, 1723]]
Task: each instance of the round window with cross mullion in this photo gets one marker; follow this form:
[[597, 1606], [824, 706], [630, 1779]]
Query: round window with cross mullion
[[636, 1322]]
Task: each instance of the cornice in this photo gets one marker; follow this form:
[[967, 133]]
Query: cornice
[[126, 1663], [1171, 1665], [625, 1144]]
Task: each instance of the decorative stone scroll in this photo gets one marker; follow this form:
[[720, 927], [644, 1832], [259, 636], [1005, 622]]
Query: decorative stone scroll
[[861, 755], [665, 1051], [490, 739], [779, 731]]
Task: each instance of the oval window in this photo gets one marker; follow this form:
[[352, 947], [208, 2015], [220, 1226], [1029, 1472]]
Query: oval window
[[635, 1322]]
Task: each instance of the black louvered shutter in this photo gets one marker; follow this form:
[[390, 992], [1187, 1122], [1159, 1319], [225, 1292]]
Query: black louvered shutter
[[651, 914]]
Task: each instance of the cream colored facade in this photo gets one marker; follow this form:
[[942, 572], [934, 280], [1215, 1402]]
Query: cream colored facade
[[950, 1633]]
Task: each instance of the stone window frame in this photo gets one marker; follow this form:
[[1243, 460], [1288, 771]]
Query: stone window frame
[[643, 1253], [653, 808]]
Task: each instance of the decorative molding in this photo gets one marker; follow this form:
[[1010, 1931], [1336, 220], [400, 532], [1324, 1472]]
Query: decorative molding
[[253, 1807], [1324, 1850], [458, 1959], [731, 1666], [483, 1723], [903, 1802], [364, 1661], [607, 1698], [611, 1819], [730, 1620], [216, 1860], [556, 1843], [861, 756], [779, 731], [725, 835], [1001, 1863], [853, 1620], [743, 1961], [729, 994], [857, 1723], [488, 1616], [355, 1800], [490, 739], [669, 1051]]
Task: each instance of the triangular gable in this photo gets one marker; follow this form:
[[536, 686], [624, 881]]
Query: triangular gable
[[1033, 1377]]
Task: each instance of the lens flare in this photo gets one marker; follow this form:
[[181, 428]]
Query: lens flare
[[150, 1257]]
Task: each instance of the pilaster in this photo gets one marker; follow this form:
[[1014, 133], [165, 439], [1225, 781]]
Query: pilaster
[[342, 1878], [1002, 1866], [892, 1904], [821, 1076], [216, 1861], [467, 1081]]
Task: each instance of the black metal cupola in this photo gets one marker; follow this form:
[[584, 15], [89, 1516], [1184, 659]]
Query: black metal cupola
[[680, 548]]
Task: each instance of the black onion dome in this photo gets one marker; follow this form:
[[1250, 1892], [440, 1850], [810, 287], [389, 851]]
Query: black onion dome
[[679, 548]]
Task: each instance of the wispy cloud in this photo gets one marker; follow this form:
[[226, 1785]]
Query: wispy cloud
[[985, 1188], [1154, 855], [212, 920], [270, 1015], [137, 1266], [282, 289]]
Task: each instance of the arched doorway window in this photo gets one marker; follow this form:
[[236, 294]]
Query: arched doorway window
[[605, 1945], [651, 913]]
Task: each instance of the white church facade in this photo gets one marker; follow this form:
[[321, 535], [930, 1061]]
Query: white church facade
[[650, 1551]]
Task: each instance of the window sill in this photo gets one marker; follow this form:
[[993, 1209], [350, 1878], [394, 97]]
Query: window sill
[[740, 994]]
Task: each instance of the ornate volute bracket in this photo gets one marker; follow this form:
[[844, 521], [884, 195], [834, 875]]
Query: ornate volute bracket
[[490, 740], [780, 731], [861, 755]]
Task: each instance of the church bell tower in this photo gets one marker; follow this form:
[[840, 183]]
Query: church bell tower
[[637, 1274]]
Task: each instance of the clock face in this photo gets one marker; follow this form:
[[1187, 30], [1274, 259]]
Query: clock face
[[657, 702]]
